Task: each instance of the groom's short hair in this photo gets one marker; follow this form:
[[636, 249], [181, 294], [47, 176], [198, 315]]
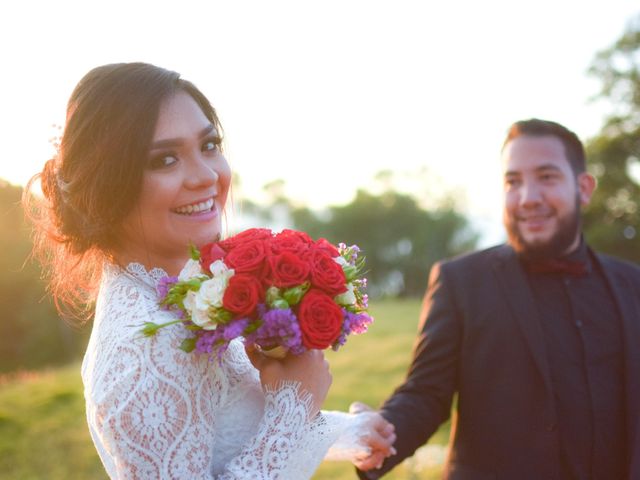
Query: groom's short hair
[[573, 147]]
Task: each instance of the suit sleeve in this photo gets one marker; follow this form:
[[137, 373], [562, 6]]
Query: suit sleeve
[[423, 402]]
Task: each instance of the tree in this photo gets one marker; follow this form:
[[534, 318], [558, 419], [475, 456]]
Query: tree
[[400, 240], [612, 222]]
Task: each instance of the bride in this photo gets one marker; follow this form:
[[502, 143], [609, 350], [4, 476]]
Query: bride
[[139, 175]]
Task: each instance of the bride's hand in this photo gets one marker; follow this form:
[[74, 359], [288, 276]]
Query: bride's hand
[[310, 370], [379, 437]]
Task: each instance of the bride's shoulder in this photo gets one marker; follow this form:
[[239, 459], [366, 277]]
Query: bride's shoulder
[[134, 273], [137, 271], [132, 281], [128, 293]]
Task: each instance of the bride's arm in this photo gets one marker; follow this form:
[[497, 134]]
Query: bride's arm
[[152, 409]]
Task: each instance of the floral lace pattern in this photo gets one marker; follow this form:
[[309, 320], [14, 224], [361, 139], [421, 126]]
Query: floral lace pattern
[[156, 412]]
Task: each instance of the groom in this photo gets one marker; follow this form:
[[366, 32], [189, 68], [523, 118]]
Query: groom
[[539, 339]]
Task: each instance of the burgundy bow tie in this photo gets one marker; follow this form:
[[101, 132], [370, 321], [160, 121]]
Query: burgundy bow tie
[[556, 265]]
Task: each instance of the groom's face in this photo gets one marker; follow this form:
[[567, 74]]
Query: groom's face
[[542, 197]]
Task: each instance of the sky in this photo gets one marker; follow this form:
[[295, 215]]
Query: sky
[[324, 95]]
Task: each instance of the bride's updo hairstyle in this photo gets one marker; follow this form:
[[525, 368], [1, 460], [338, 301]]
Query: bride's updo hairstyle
[[95, 178]]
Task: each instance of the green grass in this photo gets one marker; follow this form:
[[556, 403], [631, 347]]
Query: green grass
[[43, 433]]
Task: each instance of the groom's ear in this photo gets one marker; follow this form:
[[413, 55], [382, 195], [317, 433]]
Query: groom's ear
[[586, 186]]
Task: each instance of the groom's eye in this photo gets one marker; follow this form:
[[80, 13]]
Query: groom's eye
[[547, 177]]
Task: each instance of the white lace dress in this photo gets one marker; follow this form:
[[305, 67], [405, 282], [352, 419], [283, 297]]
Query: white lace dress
[[155, 412]]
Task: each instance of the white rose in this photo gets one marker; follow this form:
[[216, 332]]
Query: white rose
[[198, 310], [348, 297], [211, 293], [190, 270], [219, 269]]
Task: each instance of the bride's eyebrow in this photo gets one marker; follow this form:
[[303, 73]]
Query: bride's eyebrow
[[177, 142]]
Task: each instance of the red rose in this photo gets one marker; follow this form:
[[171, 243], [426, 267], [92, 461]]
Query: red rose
[[326, 274], [245, 236], [324, 244], [320, 320], [288, 270], [209, 253], [248, 258], [290, 241], [242, 295]]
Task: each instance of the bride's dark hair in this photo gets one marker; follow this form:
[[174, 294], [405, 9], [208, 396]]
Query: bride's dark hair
[[95, 178]]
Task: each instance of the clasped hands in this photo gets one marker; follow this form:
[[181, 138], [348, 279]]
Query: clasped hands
[[379, 438]]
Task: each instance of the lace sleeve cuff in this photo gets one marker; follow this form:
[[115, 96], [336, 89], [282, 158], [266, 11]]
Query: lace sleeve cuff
[[352, 430], [287, 442]]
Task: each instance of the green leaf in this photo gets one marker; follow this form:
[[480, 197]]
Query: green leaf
[[220, 315], [193, 284], [350, 272], [293, 295], [188, 345], [281, 303], [194, 253], [149, 329], [253, 327]]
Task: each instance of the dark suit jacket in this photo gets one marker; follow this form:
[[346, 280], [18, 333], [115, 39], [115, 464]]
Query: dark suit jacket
[[480, 338]]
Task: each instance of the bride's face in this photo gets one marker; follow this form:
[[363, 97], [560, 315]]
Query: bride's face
[[184, 187]]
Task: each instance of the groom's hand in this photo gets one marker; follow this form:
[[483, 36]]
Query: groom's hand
[[379, 438]]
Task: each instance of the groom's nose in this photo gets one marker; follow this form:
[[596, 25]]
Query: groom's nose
[[530, 194]]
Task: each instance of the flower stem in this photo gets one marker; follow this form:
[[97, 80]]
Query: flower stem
[[149, 329]]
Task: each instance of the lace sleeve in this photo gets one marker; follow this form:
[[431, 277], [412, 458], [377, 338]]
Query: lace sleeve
[[157, 412]]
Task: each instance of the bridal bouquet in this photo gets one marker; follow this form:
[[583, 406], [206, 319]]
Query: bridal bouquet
[[282, 292]]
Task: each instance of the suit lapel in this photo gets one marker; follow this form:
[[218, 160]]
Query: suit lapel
[[516, 291], [629, 309]]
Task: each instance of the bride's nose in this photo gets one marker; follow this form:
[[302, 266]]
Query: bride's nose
[[200, 173]]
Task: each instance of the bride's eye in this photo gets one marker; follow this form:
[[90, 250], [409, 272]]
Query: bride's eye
[[211, 144], [163, 160]]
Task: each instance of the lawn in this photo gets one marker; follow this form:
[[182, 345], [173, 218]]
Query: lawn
[[43, 434]]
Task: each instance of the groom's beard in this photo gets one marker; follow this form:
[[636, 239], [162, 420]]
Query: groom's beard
[[568, 230]]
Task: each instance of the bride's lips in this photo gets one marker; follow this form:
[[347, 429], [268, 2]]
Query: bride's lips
[[202, 209]]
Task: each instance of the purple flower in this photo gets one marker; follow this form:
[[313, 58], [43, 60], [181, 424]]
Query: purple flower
[[355, 323], [279, 327], [218, 339], [365, 301], [350, 253], [207, 340], [164, 285], [355, 250], [234, 329]]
